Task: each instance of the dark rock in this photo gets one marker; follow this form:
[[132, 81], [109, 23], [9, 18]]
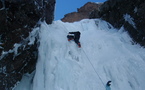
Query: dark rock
[[113, 11], [82, 13], [18, 18]]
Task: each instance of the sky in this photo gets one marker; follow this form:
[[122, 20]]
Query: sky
[[105, 54], [67, 6]]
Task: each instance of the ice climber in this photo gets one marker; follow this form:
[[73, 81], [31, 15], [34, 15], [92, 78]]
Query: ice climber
[[74, 36], [108, 85]]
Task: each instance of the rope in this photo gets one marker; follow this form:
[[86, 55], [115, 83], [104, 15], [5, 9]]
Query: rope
[[93, 67], [92, 64], [89, 60], [65, 28]]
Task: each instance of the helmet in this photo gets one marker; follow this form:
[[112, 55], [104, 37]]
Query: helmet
[[108, 83]]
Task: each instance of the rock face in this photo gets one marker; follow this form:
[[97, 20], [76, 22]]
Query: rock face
[[127, 13], [82, 13], [17, 19]]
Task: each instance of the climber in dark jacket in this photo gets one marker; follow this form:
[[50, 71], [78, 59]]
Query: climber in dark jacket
[[74, 36]]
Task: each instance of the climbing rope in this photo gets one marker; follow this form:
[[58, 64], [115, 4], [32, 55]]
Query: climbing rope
[[89, 59], [93, 67], [66, 30], [92, 64]]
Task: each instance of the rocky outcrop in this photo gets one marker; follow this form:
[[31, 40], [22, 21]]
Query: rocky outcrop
[[127, 13], [82, 13], [17, 20]]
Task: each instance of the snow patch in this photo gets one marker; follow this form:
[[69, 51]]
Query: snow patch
[[33, 35], [135, 10], [31, 38], [129, 19]]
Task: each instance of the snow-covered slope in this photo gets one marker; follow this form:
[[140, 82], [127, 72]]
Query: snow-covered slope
[[106, 54]]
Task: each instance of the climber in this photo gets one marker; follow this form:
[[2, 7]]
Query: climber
[[74, 36], [108, 85]]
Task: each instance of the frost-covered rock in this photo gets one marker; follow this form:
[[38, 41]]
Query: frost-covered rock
[[116, 12], [18, 45]]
